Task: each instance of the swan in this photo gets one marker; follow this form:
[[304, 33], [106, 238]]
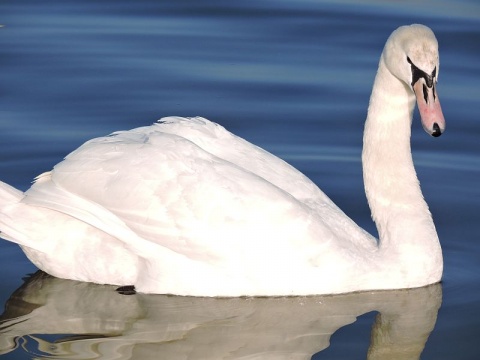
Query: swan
[[185, 207]]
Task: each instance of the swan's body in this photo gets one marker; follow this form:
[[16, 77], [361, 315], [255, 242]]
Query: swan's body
[[186, 207]]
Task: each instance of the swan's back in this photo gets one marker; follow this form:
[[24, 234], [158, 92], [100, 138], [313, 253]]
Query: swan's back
[[181, 178], [216, 140]]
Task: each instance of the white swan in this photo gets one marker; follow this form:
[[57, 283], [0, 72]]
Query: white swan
[[185, 207]]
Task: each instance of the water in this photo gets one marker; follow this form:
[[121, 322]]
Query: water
[[291, 76]]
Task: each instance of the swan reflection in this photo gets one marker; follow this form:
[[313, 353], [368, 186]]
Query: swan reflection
[[102, 324]]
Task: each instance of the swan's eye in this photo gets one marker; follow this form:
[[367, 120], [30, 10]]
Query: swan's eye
[[418, 74]]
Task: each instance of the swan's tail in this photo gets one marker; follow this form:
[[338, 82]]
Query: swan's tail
[[9, 197]]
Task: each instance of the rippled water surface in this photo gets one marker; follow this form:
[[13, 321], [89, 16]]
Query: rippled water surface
[[291, 76]]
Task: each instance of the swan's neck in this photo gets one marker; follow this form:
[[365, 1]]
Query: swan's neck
[[404, 223]]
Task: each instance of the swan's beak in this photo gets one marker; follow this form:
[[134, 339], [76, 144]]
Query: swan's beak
[[429, 107]]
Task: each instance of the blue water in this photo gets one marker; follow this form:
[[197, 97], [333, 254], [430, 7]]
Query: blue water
[[291, 76]]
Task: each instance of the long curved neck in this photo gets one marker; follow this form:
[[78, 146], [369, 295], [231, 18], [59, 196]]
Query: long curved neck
[[391, 184]]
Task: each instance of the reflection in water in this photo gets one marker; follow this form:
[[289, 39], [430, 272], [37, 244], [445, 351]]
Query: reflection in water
[[103, 324]]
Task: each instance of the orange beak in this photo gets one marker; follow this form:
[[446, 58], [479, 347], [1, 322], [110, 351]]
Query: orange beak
[[429, 107]]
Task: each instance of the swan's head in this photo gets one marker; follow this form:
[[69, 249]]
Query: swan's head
[[411, 54]]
